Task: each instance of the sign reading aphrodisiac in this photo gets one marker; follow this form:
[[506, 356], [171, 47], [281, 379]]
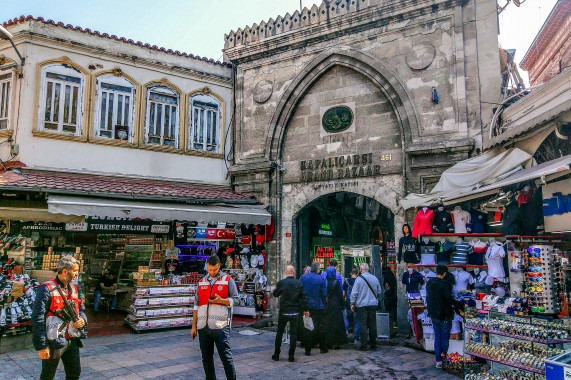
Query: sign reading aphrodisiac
[[341, 167]]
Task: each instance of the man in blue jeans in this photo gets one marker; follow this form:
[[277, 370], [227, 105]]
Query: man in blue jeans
[[107, 281], [440, 305]]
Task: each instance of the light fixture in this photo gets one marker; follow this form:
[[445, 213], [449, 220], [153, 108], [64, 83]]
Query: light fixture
[[6, 35]]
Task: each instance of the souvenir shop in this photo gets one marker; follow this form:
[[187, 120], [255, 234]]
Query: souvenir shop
[[155, 265], [507, 248]]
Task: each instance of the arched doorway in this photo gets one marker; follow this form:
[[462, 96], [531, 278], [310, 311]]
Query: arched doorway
[[340, 219]]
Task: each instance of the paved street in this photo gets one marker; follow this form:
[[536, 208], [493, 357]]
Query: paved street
[[172, 355]]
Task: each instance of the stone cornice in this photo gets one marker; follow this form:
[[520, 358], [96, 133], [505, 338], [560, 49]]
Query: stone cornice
[[257, 40], [439, 147]]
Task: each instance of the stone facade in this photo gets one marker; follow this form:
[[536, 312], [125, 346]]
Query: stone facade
[[386, 61]]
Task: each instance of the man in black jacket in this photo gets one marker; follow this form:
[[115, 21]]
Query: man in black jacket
[[292, 301], [440, 305]]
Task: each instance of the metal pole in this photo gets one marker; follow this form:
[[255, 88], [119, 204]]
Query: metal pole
[[300, 6]]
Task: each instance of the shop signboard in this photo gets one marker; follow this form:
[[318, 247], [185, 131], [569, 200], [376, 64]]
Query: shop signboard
[[41, 226], [325, 230], [130, 226], [76, 227], [184, 233], [557, 206], [324, 254]]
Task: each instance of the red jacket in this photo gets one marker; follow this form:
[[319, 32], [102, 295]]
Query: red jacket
[[423, 223]]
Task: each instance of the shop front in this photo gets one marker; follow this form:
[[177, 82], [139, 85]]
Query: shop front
[[155, 259]]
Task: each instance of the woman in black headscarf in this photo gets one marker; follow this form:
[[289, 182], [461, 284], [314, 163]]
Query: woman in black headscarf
[[336, 334]]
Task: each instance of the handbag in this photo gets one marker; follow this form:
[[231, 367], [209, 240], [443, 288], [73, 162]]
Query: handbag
[[379, 304]]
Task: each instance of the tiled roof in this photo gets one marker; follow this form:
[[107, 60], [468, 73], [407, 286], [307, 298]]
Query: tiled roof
[[113, 37], [89, 184]]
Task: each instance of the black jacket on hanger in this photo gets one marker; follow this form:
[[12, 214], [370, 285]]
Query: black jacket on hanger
[[443, 222], [511, 223], [479, 220]]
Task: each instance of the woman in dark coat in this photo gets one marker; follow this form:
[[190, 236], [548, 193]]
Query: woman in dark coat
[[336, 334]]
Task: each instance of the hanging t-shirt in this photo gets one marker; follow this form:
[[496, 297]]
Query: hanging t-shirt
[[444, 251], [480, 280], [463, 280], [463, 249], [408, 250], [172, 266], [426, 321], [461, 218], [172, 252], [495, 259], [479, 251], [412, 281], [479, 221], [456, 323], [426, 276]]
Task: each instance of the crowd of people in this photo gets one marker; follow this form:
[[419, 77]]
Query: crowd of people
[[321, 299]]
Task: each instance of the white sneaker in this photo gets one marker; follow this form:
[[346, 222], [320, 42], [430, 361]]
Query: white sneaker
[[438, 364]]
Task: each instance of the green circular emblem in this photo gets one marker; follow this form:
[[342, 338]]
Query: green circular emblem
[[337, 119]]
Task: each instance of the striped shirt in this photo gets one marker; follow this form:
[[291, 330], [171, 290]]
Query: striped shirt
[[463, 249]]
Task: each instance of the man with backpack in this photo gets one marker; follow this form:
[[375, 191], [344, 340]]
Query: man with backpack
[[364, 301], [350, 319]]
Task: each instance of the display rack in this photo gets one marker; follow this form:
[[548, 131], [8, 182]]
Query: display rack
[[138, 252], [492, 338], [161, 306]]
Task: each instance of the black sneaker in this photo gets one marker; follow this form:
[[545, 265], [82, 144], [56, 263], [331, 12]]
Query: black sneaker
[[290, 359], [324, 351], [307, 353], [276, 357]]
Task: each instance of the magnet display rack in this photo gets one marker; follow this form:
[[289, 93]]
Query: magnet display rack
[[176, 310], [493, 337]]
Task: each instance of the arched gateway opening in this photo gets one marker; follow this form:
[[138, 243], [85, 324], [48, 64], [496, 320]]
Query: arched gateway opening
[[340, 226]]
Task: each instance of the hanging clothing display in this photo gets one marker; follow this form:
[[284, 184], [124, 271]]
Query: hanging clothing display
[[461, 218], [443, 222], [408, 250], [463, 249], [427, 252], [427, 274], [444, 252], [480, 281], [423, 222], [495, 259], [463, 280], [530, 214], [479, 249], [479, 220], [511, 219], [413, 281]]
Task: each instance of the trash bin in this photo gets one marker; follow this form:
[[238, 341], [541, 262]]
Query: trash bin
[[383, 325]]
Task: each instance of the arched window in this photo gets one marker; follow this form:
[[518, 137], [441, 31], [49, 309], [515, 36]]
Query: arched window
[[115, 108], [162, 116], [5, 99], [61, 99], [205, 120]]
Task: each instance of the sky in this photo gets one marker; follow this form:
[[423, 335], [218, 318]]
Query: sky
[[198, 26]]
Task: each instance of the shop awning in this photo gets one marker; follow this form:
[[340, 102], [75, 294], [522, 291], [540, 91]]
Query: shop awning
[[37, 215], [547, 171], [159, 211], [471, 174]]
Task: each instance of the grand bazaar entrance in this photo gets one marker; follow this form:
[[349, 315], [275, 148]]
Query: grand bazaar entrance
[[334, 225]]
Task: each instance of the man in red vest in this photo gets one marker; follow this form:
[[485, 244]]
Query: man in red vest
[[212, 316], [54, 337]]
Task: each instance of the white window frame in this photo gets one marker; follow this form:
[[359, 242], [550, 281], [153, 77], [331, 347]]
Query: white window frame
[[6, 94], [152, 108], [103, 93], [59, 69], [200, 106]]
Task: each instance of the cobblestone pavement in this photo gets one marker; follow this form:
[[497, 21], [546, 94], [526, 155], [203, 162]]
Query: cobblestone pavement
[[173, 355]]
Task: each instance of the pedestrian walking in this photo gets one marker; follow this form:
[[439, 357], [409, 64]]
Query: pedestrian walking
[[336, 334], [333, 264], [390, 301], [293, 302], [316, 290], [57, 319], [212, 316], [440, 305], [351, 323], [364, 301]]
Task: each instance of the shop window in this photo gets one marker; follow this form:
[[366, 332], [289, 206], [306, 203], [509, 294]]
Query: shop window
[[61, 94], [5, 100], [162, 117], [204, 129], [115, 108]]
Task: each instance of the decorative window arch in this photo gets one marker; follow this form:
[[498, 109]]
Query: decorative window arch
[[162, 119], [114, 108], [204, 129], [6, 91], [61, 99]]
